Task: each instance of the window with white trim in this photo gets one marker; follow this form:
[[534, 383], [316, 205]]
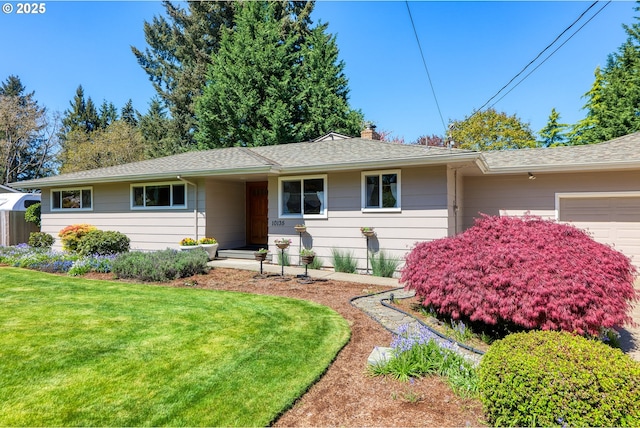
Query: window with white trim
[[72, 199], [302, 196], [158, 195], [381, 190]]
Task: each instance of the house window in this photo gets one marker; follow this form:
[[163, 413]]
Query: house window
[[163, 195], [381, 191], [72, 199], [303, 196]]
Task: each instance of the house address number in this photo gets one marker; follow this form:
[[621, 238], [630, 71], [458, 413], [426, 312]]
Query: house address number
[[277, 222]]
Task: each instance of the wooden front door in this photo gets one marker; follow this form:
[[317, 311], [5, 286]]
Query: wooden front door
[[257, 213]]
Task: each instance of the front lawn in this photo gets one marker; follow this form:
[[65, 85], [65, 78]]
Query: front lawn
[[78, 352]]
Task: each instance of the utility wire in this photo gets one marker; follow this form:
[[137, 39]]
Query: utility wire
[[424, 62], [549, 56], [539, 55]]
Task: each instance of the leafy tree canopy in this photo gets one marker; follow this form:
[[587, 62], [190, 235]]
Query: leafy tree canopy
[[491, 130]]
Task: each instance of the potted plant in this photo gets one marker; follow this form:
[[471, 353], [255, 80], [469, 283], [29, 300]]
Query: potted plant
[[188, 244], [307, 256], [367, 231], [261, 254], [210, 245], [300, 228], [282, 243]]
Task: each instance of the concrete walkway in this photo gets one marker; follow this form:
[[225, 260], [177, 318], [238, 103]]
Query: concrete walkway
[[390, 318]]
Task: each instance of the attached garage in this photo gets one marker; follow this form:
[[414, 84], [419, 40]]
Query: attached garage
[[611, 218]]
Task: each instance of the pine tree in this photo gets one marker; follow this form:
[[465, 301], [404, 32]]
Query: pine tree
[[553, 133]]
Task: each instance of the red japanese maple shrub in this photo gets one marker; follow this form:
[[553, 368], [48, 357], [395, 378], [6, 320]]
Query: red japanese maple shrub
[[534, 273]]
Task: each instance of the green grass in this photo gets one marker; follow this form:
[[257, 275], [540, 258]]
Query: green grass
[[78, 352]]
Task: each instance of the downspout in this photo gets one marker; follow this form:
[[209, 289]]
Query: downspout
[[195, 209], [455, 201]]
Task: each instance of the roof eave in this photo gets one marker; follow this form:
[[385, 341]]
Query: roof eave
[[578, 167], [44, 182]]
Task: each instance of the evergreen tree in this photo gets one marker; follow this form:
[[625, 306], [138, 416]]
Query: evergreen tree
[[553, 133], [107, 114], [324, 91], [273, 82], [129, 114], [81, 116], [613, 102], [180, 49], [491, 130], [154, 128]]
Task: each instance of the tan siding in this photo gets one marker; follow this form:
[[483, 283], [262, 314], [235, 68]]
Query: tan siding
[[226, 213], [424, 216], [517, 195], [147, 229]]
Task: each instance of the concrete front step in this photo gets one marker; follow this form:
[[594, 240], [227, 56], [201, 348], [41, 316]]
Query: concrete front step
[[238, 254]]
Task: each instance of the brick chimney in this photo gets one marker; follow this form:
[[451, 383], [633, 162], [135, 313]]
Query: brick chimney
[[369, 132]]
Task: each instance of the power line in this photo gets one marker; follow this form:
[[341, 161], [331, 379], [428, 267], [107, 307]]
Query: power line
[[555, 50], [424, 62], [540, 54]]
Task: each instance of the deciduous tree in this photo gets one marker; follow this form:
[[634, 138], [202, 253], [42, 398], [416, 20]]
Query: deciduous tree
[[491, 130], [28, 140], [117, 144]]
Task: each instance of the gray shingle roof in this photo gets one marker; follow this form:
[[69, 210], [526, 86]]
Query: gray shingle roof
[[285, 158], [354, 153], [622, 152]]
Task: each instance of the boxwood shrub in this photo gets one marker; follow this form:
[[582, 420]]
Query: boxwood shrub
[[164, 265], [550, 378]]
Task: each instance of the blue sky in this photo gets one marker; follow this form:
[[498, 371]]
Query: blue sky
[[471, 48]]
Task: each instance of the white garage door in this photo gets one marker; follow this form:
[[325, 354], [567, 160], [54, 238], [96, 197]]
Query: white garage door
[[610, 219]]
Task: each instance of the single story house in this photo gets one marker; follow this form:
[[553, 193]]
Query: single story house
[[246, 197]]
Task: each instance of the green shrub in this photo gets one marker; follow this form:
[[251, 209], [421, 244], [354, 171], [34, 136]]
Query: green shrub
[[40, 239], [548, 378], [103, 243], [384, 265], [159, 266], [343, 261], [72, 234], [33, 214]]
